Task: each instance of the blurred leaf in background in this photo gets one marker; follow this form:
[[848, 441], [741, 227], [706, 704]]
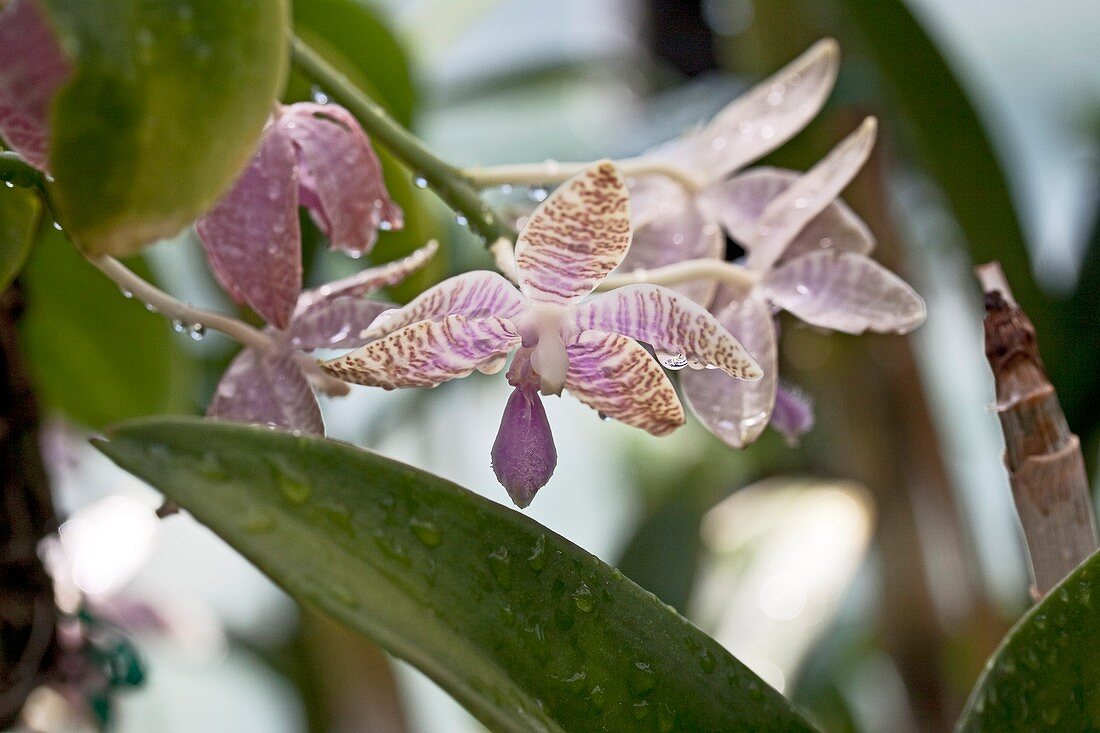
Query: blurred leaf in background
[[20, 210]]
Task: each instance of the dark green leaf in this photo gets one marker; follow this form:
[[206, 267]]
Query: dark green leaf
[[19, 212], [93, 354], [1045, 676], [167, 100], [528, 631]]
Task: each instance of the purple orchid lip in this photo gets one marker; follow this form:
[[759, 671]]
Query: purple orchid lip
[[523, 455]]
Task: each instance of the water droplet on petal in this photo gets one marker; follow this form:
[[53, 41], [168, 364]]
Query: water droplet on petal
[[420, 182]]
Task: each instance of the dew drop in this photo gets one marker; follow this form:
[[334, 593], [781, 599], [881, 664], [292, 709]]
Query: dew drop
[[9, 184], [666, 718], [461, 220], [506, 188], [426, 531], [318, 95], [420, 182], [537, 194], [196, 331], [583, 599], [257, 521], [537, 559], [57, 226], [501, 567], [597, 697], [125, 293], [178, 326]]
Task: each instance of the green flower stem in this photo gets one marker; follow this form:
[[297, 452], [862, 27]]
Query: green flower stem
[[447, 181]]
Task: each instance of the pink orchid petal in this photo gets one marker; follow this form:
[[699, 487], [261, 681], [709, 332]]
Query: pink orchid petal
[[785, 215], [33, 68], [578, 235], [793, 416], [739, 203], [368, 281], [670, 323], [334, 323], [616, 376], [268, 389], [524, 456], [252, 236], [427, 353], [846, 292], [674, 230], [734, 410], [476, 294], [766, 116], [341, 175]]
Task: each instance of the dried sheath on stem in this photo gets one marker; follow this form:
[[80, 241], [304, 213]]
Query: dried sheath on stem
[[1043, 457]]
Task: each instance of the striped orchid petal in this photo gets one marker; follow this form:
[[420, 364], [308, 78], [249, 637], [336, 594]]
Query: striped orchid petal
[[33, 68], [426, 353], [739, 203], [252, 237], [734, 410], [268, 389], [342, 183], [786, 215], [846, 292], [368, 281], [575, 237], [674, 229], [333, 323], [670, 323], [476, 294], [766, 116], [614, 375]]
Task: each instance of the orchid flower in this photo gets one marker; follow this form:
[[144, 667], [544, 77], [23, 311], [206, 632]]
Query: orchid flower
[[807, 253], [674, 222], [310, 154], [32, 70], [269, 386], [572, 241]]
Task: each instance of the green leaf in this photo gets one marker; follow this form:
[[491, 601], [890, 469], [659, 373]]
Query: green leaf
[[93, 354], [20, 209], [528, 631], [167, 100], [1045, 675]]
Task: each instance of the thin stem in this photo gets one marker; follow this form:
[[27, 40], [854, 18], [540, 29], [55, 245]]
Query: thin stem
[[686, 271], [552, 171], [447, 181]]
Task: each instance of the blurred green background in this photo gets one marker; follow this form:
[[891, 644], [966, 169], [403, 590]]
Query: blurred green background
[[867, 573]]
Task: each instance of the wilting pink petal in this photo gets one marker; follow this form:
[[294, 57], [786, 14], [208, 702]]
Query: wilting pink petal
[[793, 416], [669, 323], [426, 353], [252, 237], [268, 389], [341, 176], [739, 202], [368, 281], [766, 116], [524, 456], [575, 237], [785, 215], [674, 230], [734, 410], [334, 323], [616, 376], [476, 294], [32, 70], [846, 292]]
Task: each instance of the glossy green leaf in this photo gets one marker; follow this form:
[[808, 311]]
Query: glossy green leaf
[[167, 100], [94, 355], [1045, 676], [528, 631], [20, 209]]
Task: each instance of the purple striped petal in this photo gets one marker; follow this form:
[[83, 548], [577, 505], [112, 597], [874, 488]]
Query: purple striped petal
[[669, 323], [427, 353], [739, 203], [794, 414], [785, 215], [252, 237], [267, 389], [524, 456], [334, 323], [341, 177], [734, 410], [33, 68], [766, 116], [575, 237], [476, 294], [370, 280], [617, 377], [673, 230], [846, 292]]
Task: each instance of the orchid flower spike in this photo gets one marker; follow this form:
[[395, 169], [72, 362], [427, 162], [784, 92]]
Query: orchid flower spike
[[675, 223], [808, 252], [572, 241], [269, 387], [315, 155]]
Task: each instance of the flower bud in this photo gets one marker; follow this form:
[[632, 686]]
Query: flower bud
[[524, 456]]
